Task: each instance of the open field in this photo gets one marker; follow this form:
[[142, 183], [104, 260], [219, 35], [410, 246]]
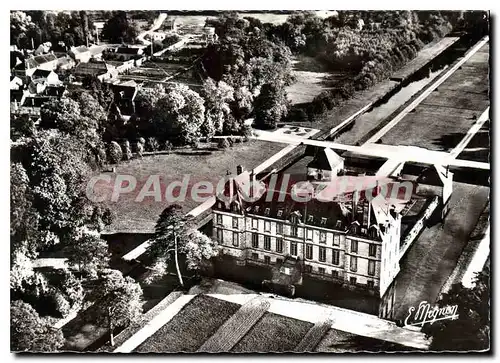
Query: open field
[[433, 256], [205, 164], [443, 118], [194, 324], [311, 78], [273, 333]]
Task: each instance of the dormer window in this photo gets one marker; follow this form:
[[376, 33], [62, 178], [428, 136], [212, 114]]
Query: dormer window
[[280, 213], [267, 211], [310, 218], [323, 221], [338, 225], [256, 209], [235, 207], [293, 218], [354, 228], [219, 205]]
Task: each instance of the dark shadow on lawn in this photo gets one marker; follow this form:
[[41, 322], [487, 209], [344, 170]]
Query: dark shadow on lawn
[[449, 141], [194, 152]]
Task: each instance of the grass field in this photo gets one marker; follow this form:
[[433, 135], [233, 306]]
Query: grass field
[[194, 324], [205, 164], [311, 78], [445, 116], [273, 333]]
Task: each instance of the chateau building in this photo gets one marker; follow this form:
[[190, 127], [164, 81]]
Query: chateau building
[[347, 238]]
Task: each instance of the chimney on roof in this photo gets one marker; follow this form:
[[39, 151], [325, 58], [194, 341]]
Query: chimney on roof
[[239, 169], [252, 183], [355, 198]]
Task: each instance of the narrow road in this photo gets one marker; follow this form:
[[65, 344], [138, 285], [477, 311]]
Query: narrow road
[[156, 25]]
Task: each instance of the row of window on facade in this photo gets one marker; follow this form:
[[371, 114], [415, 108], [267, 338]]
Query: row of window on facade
[[309, 250], [294, 230], [321, 270], [372, 248]]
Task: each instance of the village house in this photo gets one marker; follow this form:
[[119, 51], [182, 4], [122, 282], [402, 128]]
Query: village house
[[47, 77], [125, 93], [15, 82], [99, 69], [128, 53], [30, 65], [80, 54]]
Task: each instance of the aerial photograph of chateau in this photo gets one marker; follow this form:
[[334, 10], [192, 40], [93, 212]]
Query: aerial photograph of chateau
[[266, 181]]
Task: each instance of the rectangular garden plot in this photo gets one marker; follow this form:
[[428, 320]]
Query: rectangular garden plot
[[189, 329], [273, 333]]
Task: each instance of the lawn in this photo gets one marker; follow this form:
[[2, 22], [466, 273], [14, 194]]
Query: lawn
[[187, 330], [205, 164], [273, 333], [445, 116], [311, 78]]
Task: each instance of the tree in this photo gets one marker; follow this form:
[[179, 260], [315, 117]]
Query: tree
[[22, 29], [471, 331], [146, 100], [174, 236], [270, 106], [218, 98], [179, 115], [115, 154], [120, 29], [82, 118], [29, 332], [117, 300], [88, 252]]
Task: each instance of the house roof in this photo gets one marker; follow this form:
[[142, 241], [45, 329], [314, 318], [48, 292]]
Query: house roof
[[91, 68], [325, 159], [16, 58], [79, 50], [128, 50], [38, 60], [16, 95], [41, 73], [64, 61]]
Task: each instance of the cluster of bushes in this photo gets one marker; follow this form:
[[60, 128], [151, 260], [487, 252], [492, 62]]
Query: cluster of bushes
[[227, 142], [117, 152]]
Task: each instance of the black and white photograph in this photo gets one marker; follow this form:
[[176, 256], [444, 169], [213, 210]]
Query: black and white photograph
[[250, 181]]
